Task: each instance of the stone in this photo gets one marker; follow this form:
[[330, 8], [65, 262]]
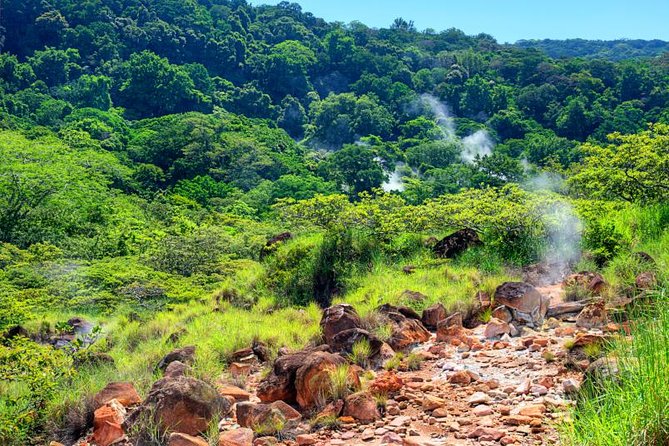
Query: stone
[[185, 355], [461, 377], [407, 329], [267, 417], [239, 369], [565, 308], [496, 328], [237, 437], [386, 384], [432, 315], [233, 391], [482, 410], [184, 404], [344, 341], [181, 439], [503, 314], [570, 386], [431, 402], [338, 318], [280, 383], [532, 410], [525, 303], [367, 435], [478, 398], [592, 316], [123, 392], [361, 406], [391, 438], [175, 369], [456, 243], [486, 434], [107, 421], [312, 378], [306, 439]]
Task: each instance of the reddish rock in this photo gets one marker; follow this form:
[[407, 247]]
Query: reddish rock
[[239, 369], [332, 410], [526, 304], [407, 327], [306, 439], [280, 383], [107, 424], [184, 404], [266, 416], [433, 315], [337, 319], [233, 391], [486, 434], [123, 392], [362, 407], [496, 328], [503, 314], [312, 379], [386, 384], [532, 410], [180, 439], [461, 377], [236, 437], [593, 316]]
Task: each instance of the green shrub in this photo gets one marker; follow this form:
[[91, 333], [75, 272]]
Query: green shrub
[[29, 375]]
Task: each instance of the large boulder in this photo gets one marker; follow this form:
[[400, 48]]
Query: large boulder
[[337, 319], [456, 243], [183, 404], [280, 383], [432, 315], [524, 302], [312, 380], [406, 325]]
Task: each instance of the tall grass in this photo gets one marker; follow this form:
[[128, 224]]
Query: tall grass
[[634, 409]]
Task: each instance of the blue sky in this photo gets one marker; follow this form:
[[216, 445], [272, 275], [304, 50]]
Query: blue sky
[[508, 20]]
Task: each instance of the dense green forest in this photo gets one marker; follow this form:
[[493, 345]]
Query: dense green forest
[[149, 150]]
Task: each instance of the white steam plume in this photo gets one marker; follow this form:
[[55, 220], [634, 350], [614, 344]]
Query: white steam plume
[[441, 114], [476, 144]]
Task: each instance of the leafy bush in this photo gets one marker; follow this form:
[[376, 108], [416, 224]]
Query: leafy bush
[[29, 375]]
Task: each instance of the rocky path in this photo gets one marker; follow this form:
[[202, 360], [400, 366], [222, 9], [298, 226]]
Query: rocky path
[[509, 381]]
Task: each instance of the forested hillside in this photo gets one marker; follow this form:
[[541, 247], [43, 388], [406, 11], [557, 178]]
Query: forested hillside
[[211, 173], [614, 50]]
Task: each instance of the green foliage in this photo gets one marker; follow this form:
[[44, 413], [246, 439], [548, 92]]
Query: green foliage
[[603, 241], [29, 376], [631, 168]]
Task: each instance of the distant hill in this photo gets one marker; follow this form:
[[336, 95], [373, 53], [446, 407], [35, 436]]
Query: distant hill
[[614, 50]]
